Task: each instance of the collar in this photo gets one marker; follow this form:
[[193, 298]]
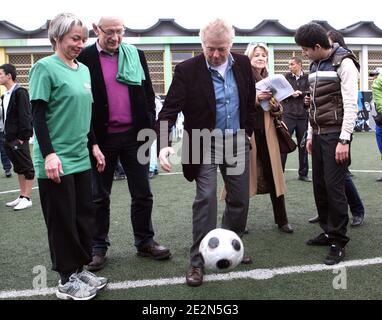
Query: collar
[[298, 75], [230, 59], [102, 51], [9, 92]]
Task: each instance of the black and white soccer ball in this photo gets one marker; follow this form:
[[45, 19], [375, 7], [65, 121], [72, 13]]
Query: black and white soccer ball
[[222, 250]]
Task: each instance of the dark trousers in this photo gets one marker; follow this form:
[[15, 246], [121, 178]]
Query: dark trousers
[[4, 158], [68, 214], [278, 203], [204, 218], [125, 146], [299, 126], [354, 200], [329, 187], [20, 156]]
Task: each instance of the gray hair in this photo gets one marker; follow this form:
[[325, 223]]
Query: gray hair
[[249, 52], [218, 28], [61, 25]]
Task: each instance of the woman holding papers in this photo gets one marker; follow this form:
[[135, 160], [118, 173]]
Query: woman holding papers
[[266, 169]]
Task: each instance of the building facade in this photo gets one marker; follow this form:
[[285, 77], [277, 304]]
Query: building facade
[[167, 43]]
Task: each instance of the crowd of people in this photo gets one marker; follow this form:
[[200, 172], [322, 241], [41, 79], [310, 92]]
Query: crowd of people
[[88, 105]]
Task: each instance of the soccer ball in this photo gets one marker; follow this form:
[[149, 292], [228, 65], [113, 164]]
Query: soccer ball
[[222, 250]]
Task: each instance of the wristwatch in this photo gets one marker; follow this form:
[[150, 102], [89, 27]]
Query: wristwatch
[[344, 141]]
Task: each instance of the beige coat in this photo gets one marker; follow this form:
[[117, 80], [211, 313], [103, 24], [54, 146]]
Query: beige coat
[[257, 183]]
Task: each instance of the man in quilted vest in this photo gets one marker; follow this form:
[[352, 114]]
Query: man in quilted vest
[[332, 113]]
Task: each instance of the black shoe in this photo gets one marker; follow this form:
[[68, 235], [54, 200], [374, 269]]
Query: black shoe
[[336, 255], [98, 262], [119, 177], [8, 173], [246, 260], [314, 219], [357, 221], [304, 178], [287, 228], [321, 240], [379, 179], [151, 174]]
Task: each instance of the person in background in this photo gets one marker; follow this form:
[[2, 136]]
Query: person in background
[[123, 105], [266, 167], [17, 132], [7, 165], [355, 203], [377, 96], [61, 99], [333, 110], [295, 114], [153, 168]]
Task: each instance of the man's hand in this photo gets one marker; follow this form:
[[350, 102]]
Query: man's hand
[[309, 145], [164, 153], [98, 155], [307, 100], [296, 93], [53, 167], [342, 153]]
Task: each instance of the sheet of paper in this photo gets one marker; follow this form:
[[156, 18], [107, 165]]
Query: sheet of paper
[[280, 87]]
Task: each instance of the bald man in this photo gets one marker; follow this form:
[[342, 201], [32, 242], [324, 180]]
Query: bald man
[[124, 103]]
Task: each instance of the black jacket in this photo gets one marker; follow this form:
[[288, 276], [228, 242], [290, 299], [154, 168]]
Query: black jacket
[[142, 97], [18, 123], [294, 107]]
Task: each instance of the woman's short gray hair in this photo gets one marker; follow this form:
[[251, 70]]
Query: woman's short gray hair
[[61, 25], [218, 29]]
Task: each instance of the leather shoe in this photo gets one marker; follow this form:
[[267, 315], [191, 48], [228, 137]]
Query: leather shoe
[[357, 221], [154, 251], [246, 260], [321, 240], [304, 178], [287, 228], [98, 262], [379, 179], [194, 276], [314, 219]]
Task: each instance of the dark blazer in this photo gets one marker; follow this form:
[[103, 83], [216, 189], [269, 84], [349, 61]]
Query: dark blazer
[[142, 97], [192, 92], [18, 124]]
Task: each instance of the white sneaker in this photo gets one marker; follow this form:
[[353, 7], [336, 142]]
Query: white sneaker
[[92, 280], [23, 204], [75, 289], [13, 203]]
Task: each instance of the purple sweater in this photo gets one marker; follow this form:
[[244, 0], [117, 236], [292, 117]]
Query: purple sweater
[[120, 118]]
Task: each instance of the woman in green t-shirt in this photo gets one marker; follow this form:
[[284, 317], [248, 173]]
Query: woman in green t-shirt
[[61, 99]]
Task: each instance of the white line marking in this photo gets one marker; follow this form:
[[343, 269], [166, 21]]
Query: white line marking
[[180, 173], [255, 274]]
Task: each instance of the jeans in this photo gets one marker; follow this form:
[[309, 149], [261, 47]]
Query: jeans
[[378, 136]]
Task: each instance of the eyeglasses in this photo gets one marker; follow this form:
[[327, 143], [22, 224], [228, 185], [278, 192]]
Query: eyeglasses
[[111, 33]]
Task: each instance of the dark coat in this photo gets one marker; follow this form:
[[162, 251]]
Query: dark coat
[[142, 97], [294, 107], [18, 124], [192, 92]]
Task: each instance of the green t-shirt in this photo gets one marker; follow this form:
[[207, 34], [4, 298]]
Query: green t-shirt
[[68, 94]]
